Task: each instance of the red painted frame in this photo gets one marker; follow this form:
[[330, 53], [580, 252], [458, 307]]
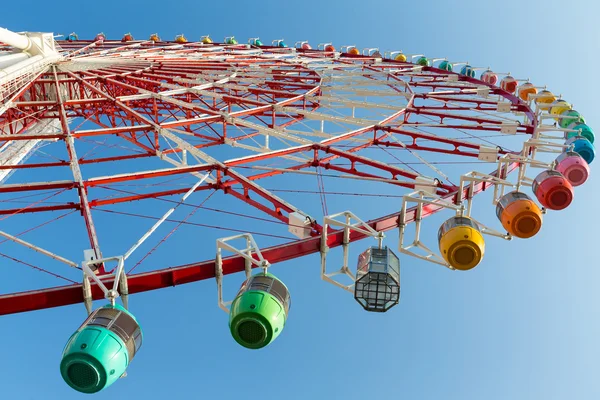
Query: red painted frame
[[282, 90]]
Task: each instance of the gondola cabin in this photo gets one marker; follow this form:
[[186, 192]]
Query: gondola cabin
[[489, 77], [424, 62], [181, 39], [445, 65], [509, 84], [400, 57], [461, 243], [573, 167], [553, 190], [569, 117], [558, 107], [525, 90], [519, 215], [377, 284], [545, 97], [583, 147], [259, 311], [128, 37], [581, 130], [467, 71], [100, 351]]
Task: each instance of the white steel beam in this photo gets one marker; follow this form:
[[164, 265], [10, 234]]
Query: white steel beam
[[15, 40]]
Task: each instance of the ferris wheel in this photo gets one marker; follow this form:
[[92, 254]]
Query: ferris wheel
[[111, 148]]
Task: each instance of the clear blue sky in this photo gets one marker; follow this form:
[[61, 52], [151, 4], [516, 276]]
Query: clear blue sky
[[523, 325]]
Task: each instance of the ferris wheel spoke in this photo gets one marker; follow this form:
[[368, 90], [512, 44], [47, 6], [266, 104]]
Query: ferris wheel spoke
[[14, 122], [145, 196], [78, 178], [32, 207], [461, 100], [114, 48], [412, 176], [103, 181], [37, 268], [428, 138], [424, 110], [517, 113], [128, 133], [326, 160], [249, 184], [130, 112]]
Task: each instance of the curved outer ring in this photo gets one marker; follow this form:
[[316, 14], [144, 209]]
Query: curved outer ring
[[157, 279]]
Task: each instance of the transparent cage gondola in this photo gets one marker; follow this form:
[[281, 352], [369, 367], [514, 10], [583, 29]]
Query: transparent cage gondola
[[377, 285]]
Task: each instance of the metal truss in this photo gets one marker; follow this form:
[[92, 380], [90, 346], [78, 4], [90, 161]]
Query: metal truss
[[174, 105]]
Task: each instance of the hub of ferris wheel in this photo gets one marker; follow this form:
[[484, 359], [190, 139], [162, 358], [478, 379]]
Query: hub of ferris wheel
[[100, 351]]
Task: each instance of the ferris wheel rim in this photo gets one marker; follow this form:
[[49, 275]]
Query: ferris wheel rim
[[155, 279]]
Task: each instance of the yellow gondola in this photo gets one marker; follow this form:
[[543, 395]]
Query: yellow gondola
[[461, 243]]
